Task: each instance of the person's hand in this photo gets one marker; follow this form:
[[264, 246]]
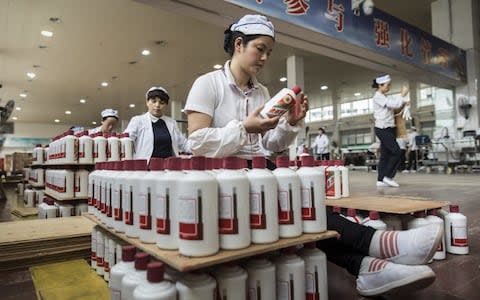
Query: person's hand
[[405, 90], [254, 123], [298, 111]]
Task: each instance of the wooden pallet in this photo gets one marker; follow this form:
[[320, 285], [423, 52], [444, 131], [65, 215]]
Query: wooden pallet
[[387, 204], [184, 263], [24, 212]]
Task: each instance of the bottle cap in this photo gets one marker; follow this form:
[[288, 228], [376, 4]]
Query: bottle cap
[[198, 163], [128, 253], [208, 163], [432, 212], [128, 165], [282, 161], [259, 162], [141, 260], [156, 164], [118, 165], [174, 163], [351, 212], [217, 163], [337, 209], [231, 163], [186, 164], [307, 161], [419, 214], [297, 89], [98, 166], [373, 215], [311, 245], [454, 208], [155, 271]]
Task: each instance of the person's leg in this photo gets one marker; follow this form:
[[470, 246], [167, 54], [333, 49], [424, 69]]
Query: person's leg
[[382, 162], [326, 156], [410, 159], [341, 255], [352, 235], [415, 159], [395, 156], [401, 166]]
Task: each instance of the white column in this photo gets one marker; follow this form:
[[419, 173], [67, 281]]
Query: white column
[[295, 76], [457, 22]]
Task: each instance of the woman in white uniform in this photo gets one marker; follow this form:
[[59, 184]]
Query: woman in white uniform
[[154, 134], [109, 121], [383, 112], [223, 116], [223, 106]]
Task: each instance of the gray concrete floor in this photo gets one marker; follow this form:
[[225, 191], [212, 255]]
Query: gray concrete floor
[[457, 277]]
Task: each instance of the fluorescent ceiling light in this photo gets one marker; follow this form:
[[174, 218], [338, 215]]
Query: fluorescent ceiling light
[[283, 79], [146, 52], [46, 33], [132, 105], [56, 120], [104, 83], [18, 108], [83, 101], [31, 75], [67, 112], [94, 123], [357, 94], [217, 66], [14, 118], [23, 95], [324, 87]]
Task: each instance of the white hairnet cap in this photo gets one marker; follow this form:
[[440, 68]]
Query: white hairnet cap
[[383, 79], [155, 88], [109, 113], [254, 24]]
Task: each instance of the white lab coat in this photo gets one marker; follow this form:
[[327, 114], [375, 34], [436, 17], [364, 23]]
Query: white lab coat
[[140, 130], [321, 142], [94, 130]]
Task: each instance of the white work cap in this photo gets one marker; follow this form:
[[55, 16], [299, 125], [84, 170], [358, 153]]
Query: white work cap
[[383, 79], [109, 113], [155, 88], [254, 24]]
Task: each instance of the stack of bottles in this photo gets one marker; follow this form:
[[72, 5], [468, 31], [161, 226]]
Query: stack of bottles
[[295, 274], [336, 178], [179, 204], [48, 208], [36, 177], [38, 155]]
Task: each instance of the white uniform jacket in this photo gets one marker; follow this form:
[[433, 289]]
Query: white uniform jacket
[[140, 130]]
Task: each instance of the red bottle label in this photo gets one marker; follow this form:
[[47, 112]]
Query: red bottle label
[[285, 212], [163, 214], [258, 219], [228, 221], [190, 218]]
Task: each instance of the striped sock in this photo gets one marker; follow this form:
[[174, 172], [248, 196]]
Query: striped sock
[[384, 244], [371, 265]]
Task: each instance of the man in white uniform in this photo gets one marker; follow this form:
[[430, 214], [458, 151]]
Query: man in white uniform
[[322, 144]]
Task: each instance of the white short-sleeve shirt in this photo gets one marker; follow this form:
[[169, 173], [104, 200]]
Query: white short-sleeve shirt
[[217, 95]]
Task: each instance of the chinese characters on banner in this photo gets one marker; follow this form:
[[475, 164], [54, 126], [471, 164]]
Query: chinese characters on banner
[[335, 13], [296, 7]]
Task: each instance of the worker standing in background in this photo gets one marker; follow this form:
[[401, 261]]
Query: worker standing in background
[[109, 121], [402, 143], [412, 151], [385, 129], [322, 144]]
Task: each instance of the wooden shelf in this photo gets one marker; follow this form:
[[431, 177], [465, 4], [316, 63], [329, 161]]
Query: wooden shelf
[[67, 165], [183, 263], [36, 185], [388, 204], [65, 199]]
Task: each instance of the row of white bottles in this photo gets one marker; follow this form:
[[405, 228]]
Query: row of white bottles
[[63, 149], [67, 183], [106, 252], [111, 147], [32, 197], [48, 208], [200, 211], [38, 155], [36, 176], [294, 274]]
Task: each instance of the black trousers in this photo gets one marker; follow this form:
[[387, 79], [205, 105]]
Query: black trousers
[[353, 245], [323, 156], [401, 165], [412, 160], [390, 154]]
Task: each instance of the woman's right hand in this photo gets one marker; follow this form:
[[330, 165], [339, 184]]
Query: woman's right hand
[[254, 123]]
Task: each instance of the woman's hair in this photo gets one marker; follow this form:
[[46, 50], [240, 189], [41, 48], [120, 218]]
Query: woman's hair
[[231, 36], [375, 84], [158, 93]]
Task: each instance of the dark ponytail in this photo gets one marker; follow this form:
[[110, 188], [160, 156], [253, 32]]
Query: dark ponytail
[[375, 84], [229, 38]]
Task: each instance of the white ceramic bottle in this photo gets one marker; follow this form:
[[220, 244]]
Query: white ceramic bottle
[[122, 173], [232, 282], [93, 256], [85, 148], [289, 199], [261, 279], [135, 277], [374, 221], [146, 200], [196, 286], [100, 240], [263, 203], [197, 211], [333, 182], [316, 284], [314, 213], [233, 206], [164, 207], [456, 231], [119, 270], [113, 147], [127, 147], [432, 217], [290, 271], [352, 216], [81, 183], [156, 288], [131, 193], [99, 148], [70, 148], [418, 221], [344, 176]]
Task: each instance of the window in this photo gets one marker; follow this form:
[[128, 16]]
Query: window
[[426, 96], [319, 114], [356, 108], [356, 137]]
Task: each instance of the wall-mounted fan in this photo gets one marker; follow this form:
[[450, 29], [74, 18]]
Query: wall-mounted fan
[[6, 111]]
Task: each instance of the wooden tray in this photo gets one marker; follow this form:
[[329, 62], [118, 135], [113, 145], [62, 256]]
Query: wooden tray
[[25, 211], [64, 199], [387, 204], [184, 263]]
